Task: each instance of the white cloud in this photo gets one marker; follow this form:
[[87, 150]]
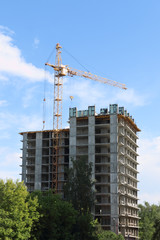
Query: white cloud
[[7, 120], [30, 123], [13, 63], [89, 92], [11, 158], [28, 96], [9, 163], [152, 198], [36, 42], [131, 97], [3, 103], [6, 30], [3, 78], [85, 91], [20, 123], [5, 174], [149, 169]]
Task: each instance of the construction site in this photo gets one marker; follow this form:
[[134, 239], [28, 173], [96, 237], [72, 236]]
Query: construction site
[[107, 138]]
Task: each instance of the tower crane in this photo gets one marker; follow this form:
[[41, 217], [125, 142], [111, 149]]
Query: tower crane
[[60, 72]]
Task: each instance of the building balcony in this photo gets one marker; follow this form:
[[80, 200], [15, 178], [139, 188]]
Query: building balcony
[[132, 168], [102, 144], [29, 181], [132, 150], [30, 156], [122, 225], [121, 143], [122, 162], [102, 193], [82, 144], [121, 123], [45, 181], [83, 134], [122, 183], [121, 192], [30, 148], [121, 152], [102, 183], [129, 138], [30, 173], [131, 195], [131, 131], [30, 163], [102, 125], [130, 235], [103, 204], [132, 205], [82, 126], [127, 214], [132, 225], [132, 177], [102, 214], [132, 159], [102, 150], [31, 140], [122, 203], [105, 163], [132, 216], [132, 187], [121, 132], [102, 134], [123, 214], [102, 173], [45, 163]]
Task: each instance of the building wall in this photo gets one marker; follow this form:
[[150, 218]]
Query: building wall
[[109, 141], [114, 172], [24, 155], [37, 158], [38, 162]]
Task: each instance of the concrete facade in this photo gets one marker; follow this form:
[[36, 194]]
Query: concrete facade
[[109, 141], [37, 158]]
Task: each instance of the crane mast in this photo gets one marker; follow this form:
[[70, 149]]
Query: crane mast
[[61, 71], [58, 89], [57, 116]]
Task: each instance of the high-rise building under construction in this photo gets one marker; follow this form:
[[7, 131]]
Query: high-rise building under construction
[[109, 142]]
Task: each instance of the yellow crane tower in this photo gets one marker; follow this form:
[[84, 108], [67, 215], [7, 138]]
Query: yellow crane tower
[[61, 71]]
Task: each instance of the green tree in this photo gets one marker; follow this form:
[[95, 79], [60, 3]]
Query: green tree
[[57, 217], [18, 212], [79, 187], [108, 235], [156, 235], [79, 191], [149, 221], [146, 223], [85, 227]]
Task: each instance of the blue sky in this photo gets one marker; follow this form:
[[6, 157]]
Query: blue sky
[[115, 39]]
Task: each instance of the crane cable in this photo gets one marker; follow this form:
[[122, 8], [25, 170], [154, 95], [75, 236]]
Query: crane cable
[[76, 60], [44, 90], [44, 99]]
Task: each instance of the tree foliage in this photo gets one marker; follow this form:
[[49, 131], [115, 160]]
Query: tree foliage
[[79, 187], [18, 212], [85, 227], [149, 221], [79, 191], [57, 217], [108, 235], [156, 235]]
